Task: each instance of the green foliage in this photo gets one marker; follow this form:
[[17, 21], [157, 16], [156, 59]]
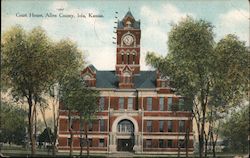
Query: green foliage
[[31, 62], [27, 61], [14, 124], [76, 96], [46, 135], [188, 62], [197, 65], [69, 59], [211, 75], [235, 130], [230, 72]]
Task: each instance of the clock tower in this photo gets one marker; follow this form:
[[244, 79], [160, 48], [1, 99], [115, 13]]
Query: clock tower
[[128, 45]]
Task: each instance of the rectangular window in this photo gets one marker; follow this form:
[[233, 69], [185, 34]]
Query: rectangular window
[[69, 141], [149, 104], [170, 103], [82, 142], [73, 123], [148, 143], [161, 104], [101, 142], [163, 83], [90, 124], [102, 125], [182, 126], [121, 103], [101, 103], [130, 103], [90, 143], [170, 143], [181, 143], [181, 104], [161, 143], [161, 126], [170, 126], [149, 126]]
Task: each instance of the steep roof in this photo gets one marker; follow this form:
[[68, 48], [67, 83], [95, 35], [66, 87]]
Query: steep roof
[[108, 79], [92, 67], [135, 24], [129, 14]]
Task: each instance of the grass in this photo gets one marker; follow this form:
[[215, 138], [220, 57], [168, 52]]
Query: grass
[[15, 151]]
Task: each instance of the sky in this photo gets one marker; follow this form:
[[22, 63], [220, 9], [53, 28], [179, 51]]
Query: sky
[[94, 36]]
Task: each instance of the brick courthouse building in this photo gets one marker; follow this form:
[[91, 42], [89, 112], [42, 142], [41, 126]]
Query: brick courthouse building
[[138, 110]]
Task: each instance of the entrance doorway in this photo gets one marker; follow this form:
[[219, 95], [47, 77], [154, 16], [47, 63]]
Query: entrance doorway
[[125, 145], [125, 135]]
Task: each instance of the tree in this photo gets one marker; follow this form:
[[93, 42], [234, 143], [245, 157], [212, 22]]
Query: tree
[[14, 125], [27, 63], [201, 70], [45, 135], [87, 107], [31, 64], [70, 60], [75, 96], [235, 130]]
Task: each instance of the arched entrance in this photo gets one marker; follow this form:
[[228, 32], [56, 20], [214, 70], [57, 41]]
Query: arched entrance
[[125, 132], [125, 135]]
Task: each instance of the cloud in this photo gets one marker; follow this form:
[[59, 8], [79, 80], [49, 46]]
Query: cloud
[[11, 20], [234, 22], [103, 58], [167, 13], [155, 28]]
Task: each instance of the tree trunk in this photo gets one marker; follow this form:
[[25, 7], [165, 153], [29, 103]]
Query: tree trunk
[[201, 136], [187, 141], [55, 120], [214, 141], [46, 125], [179, 148], [71, 133], [214, 153], [206, 140], [35, 114], [86, 135], [30, 128], [81, 131]]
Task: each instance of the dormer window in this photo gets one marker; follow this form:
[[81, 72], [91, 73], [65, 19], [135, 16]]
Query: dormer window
[[128, 24], [87, 77], [127, 77]]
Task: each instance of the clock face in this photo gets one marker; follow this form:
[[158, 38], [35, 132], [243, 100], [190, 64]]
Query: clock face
[[128, 39]]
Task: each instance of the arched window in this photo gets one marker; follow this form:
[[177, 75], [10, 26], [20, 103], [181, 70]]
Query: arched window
[[127, 58], [133, 58], [122, 58], [125, 126]]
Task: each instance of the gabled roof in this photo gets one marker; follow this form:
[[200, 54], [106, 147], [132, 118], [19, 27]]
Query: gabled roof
[[108, 79], [135, 24], [129, 14], [92, 68]]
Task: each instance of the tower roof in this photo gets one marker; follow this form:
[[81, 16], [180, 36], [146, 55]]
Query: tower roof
[[134, 24], [129, 14]]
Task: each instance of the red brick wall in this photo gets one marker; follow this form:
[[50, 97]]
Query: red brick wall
[[63, 125]]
